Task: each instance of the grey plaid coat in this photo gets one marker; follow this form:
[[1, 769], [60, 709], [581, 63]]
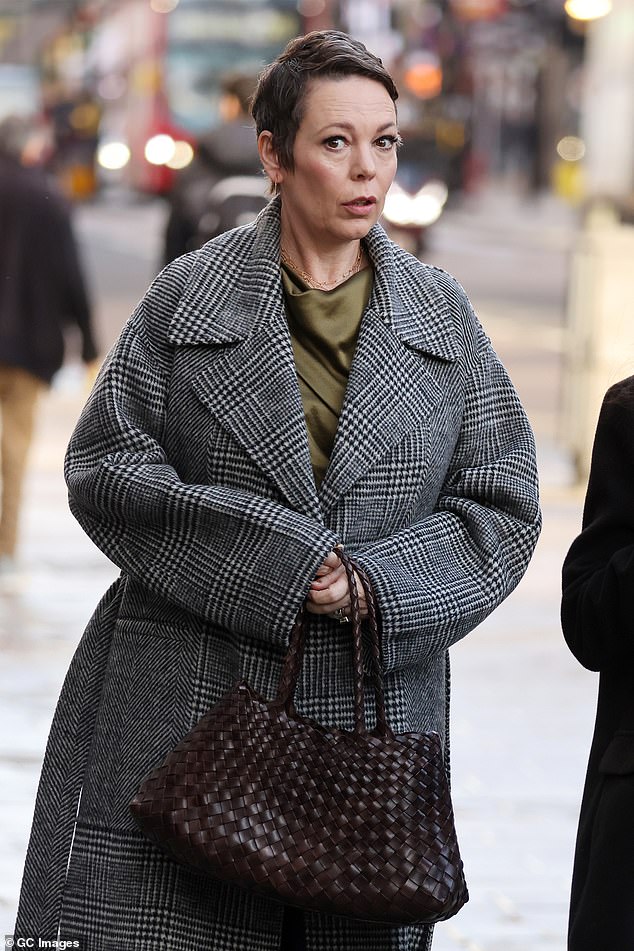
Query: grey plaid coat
[[190, 469]]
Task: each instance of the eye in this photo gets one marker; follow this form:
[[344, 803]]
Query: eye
[[387, 142], [335, 143]]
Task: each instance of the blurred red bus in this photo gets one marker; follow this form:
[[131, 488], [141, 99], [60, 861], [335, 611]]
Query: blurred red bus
[[157, 67]]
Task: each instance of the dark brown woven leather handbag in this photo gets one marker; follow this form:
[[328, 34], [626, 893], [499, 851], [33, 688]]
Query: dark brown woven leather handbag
[[347, 823]]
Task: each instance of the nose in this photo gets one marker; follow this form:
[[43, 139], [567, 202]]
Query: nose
[[364, 165]]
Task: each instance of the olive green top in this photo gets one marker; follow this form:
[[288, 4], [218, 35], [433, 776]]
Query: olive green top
[[324, 326]]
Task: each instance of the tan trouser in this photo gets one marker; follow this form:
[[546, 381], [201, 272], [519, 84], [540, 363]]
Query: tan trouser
[[19, 391]]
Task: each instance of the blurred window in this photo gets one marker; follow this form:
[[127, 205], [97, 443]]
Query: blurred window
[[19, 90], [206, 40]]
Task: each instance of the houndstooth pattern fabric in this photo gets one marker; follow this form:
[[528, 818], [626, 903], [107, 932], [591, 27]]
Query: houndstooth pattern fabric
[[190, 469]]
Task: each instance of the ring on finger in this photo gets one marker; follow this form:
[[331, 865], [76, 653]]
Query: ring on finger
[[341, 616]]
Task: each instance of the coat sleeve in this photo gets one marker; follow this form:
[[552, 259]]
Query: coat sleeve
[[76, 300], [64, 261], [440, 577], [597, 610], [238, 560]]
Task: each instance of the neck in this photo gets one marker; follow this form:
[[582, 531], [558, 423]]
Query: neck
[[321, 269]]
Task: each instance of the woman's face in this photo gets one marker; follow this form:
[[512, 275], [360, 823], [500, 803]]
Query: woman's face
[[345, 160]]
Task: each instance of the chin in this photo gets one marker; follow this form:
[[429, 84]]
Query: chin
[[359, 229]]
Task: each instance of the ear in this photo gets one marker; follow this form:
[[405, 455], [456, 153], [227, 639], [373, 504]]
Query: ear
[[268, 157]]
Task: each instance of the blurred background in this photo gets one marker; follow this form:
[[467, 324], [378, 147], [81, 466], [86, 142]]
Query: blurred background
[[517, 176]]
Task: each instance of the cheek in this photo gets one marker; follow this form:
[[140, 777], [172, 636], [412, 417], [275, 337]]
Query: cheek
[[389, 170], [386, 177], [324, 183]]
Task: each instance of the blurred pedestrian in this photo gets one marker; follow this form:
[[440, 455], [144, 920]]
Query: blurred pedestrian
[[298, 384], [227, 150], [41, 291], [598, 624]]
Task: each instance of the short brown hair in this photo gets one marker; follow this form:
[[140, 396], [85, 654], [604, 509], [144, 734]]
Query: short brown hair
[[278, 101]]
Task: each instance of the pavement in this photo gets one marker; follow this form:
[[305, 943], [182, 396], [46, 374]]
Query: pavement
[[522, 708]]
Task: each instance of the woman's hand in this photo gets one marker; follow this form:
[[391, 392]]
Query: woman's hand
[[329, 591]]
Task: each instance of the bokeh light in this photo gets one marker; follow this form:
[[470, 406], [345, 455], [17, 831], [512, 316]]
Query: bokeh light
[[183, 154], [160, 149], [423, 76], [163, 6], [113, 155], [571, 148], [587, 9]]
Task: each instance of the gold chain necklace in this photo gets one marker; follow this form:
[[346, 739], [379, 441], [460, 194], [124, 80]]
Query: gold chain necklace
[[309, 279]]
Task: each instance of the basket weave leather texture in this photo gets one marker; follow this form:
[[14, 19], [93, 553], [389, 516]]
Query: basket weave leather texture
[[344, 822]]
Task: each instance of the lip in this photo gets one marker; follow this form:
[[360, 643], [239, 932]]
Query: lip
[[361, 205]]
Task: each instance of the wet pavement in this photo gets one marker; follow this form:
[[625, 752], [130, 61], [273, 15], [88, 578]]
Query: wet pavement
[[522, 708]]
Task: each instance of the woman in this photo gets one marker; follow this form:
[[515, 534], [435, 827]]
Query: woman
[[597, 613], [231, 442]]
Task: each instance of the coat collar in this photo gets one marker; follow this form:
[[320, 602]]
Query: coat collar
[[235, 283], [234, 302]]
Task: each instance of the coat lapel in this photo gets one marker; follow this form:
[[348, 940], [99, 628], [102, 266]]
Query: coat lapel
[[249, 381], [392, 388]]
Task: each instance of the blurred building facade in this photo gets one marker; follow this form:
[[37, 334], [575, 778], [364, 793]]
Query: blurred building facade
[[600, 348], [488, 87]]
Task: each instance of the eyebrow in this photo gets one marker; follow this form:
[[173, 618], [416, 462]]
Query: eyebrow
[[348, 127]]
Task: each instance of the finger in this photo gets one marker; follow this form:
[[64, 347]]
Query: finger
[[329, 563], [328, 593], [323, 570], [325, 581], [329, 609]]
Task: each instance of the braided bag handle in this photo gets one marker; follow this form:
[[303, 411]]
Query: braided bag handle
[[294, 657], [375, 653]]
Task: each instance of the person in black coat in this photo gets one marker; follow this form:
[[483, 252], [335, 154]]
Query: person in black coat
[[598, 624], [41, 290]]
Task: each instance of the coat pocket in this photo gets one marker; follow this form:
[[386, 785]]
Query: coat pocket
[[618, 759]]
